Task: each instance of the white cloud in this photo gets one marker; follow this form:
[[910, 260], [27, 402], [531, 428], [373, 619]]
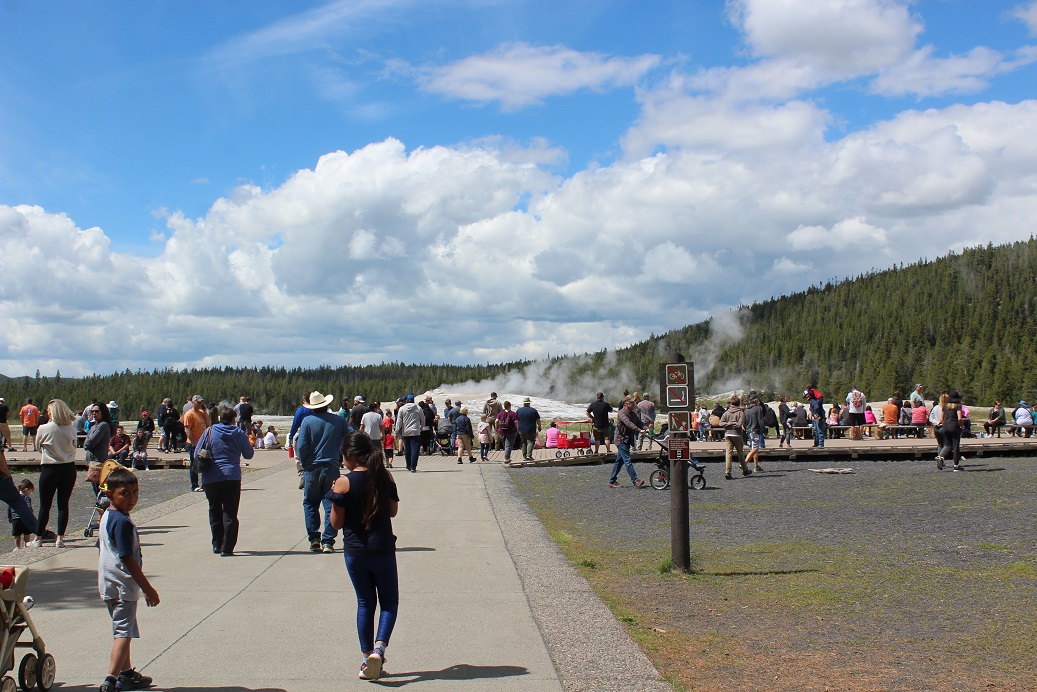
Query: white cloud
[[1027, 13], [475, 252], [849, 234], [839, 37], [519, 74], [923, 75]]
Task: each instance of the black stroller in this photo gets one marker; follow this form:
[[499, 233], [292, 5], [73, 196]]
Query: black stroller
[[441, 439]]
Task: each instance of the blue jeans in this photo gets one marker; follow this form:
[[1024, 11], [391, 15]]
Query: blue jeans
[[484, 450], [189, 448], [376, 583], [819, 432], [16, 501], [623, 459], [411, 450], [315, 486]]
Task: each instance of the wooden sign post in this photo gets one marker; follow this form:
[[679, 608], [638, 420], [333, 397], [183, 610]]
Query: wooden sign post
[[677, 395]]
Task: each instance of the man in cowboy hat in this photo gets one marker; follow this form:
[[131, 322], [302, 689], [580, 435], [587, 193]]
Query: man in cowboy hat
[[318, 449], [528, 427]]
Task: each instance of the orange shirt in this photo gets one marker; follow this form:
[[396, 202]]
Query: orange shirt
[[890, 413], [195, 423], [30, 416]]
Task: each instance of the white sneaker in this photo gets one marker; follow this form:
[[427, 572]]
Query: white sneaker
[[59, 542], [33, 544]]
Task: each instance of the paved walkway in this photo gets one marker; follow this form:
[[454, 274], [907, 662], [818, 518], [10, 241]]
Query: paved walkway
[[487, 600]]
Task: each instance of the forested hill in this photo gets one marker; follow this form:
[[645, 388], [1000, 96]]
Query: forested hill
[[966, 322]]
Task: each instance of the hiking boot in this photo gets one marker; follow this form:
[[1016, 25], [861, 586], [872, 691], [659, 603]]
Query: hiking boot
[[132, 680], [747, 472], [613, 484], [728, 476]]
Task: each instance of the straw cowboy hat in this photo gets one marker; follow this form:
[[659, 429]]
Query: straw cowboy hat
[[318, 400]]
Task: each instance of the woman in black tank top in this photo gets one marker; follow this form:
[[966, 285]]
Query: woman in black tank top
[[364, 501]]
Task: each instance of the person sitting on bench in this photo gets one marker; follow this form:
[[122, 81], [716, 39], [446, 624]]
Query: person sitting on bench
[[996, 420]]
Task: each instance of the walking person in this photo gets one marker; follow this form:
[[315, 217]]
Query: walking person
[[463, 430], [646, 409], [363, 503], [490, 410], [628, 427], [754, 431], [733, 424], [598, 411], [57, 441], [816, 401], [319, 452], [196, 420], [221, 482], [409, 421], [951, 428], [784, 417], [528, 428], [507, 429]]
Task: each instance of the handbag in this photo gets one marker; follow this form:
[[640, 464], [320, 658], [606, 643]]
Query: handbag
[[203, 457]]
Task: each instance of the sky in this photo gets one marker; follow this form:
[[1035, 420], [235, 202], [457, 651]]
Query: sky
[[195, 184]]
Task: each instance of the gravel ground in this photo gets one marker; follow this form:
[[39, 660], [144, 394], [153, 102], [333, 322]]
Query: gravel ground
[[932, 574]]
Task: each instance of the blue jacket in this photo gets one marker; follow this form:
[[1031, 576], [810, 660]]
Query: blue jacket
[[320, 440], [229, 444]]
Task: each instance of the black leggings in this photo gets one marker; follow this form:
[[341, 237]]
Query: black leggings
[[60, 479], [224, 498]]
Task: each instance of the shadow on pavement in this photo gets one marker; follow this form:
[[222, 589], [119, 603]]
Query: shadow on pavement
[[460, 671], [64, 587]]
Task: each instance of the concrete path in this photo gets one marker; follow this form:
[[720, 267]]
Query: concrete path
[[487, 600]]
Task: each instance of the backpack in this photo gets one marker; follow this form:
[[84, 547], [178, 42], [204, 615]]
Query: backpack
[[770, 418]]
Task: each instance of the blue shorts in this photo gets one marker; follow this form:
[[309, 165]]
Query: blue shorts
[[124, 618], [755, 440]]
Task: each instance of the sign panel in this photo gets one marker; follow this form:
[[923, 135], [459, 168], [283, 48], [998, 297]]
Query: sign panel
[[680, 448], [680, 421], [677, 396], [677, 373]]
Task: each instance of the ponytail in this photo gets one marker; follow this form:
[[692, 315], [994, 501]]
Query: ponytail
[[359, 446]]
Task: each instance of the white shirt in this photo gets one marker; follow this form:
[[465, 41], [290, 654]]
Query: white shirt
[[372, 424]]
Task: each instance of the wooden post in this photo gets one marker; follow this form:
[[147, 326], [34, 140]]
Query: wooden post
[[680, 519]]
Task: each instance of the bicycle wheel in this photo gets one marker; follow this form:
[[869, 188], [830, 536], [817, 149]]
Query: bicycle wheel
[[697, 482], [660, 479]]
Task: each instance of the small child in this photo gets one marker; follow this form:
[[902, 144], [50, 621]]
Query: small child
[[485, 440], [387, 446], [121, 580], [18, 528]]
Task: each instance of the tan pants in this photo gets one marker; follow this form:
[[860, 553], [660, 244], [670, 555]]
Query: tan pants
[[5, 430], [464, 443], [733, 446]]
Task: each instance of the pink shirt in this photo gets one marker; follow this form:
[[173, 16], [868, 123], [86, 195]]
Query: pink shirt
[[551, 437]]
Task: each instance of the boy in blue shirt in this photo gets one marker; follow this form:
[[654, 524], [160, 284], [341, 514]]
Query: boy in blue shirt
[[120, 579]]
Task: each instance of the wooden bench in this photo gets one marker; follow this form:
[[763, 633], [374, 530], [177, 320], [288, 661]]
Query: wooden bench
[[1013, 429], [803, 432], [888, 431]]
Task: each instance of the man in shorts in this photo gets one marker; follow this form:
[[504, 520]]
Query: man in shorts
[[754, 428], [598, 412], [30, 417]]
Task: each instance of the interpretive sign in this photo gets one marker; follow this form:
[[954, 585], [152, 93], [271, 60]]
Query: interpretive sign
[[680, 448]]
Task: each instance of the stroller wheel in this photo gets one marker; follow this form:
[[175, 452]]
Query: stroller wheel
[[87, 533], [660, 479], [27, 672], [697, 482], [46, 671], [8, 684]]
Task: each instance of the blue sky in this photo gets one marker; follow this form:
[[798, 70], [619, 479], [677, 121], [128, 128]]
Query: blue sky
[[497, 179]]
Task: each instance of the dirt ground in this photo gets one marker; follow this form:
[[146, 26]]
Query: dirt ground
[[896, 577]]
